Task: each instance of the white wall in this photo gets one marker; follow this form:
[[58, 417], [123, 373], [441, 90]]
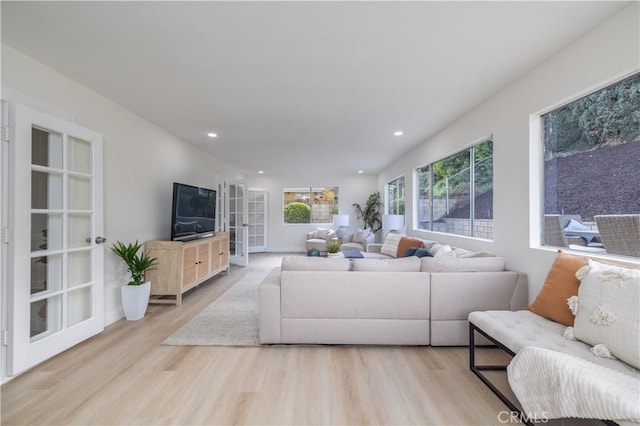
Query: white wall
[[291, 237], [608, 52], [140, 160]]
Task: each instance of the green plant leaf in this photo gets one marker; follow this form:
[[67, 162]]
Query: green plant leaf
[[137, 264]]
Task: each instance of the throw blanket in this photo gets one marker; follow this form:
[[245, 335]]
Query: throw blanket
[[552, 385]]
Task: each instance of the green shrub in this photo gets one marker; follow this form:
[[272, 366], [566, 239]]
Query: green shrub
[[297, 213]]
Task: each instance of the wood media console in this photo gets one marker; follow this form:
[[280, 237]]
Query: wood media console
[[183, 265]]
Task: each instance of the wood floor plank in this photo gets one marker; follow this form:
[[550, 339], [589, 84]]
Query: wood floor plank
[[125, 376]]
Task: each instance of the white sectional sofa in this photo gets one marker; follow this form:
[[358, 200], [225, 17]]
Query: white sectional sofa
[[406, 301]]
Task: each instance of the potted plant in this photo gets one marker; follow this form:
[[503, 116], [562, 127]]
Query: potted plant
[[135, 295], [333, 247], [371, 213]]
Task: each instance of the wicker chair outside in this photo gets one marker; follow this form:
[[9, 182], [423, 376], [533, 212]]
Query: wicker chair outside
[[554, 225], [620, 233]]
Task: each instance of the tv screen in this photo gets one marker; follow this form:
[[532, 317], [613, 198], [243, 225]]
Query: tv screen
[[193, 213]]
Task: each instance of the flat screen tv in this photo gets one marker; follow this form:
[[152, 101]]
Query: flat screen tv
[[193, 214]]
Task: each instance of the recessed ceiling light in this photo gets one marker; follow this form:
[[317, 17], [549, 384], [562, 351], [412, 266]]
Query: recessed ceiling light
[[360, 171], [260, 172], [212, 135], [399, 133]]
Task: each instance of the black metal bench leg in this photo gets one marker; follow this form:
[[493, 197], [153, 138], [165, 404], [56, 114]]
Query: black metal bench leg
[[477, 370]]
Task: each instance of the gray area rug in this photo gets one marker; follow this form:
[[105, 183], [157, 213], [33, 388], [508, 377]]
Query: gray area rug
[[230, 320]]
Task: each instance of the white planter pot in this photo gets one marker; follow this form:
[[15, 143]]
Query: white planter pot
[[135, 299]]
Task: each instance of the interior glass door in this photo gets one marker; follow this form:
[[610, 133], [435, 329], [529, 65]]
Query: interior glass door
[[257, 206], [238, 228], [57, 253]]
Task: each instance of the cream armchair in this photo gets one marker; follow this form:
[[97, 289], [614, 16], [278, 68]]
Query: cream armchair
[[318, 240], [357, 241]]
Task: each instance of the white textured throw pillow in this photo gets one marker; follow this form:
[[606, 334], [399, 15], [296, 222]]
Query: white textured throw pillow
[[608, 310], [361, 236], [390, 246], [445, 251]]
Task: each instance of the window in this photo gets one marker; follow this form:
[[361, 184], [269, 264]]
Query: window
[[591, 162], [395, 196], [455, 194], [310, 205]]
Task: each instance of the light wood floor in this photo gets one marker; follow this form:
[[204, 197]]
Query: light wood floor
[[124, 376]]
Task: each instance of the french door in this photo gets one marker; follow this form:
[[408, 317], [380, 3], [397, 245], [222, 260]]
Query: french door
[[56, 253], [238, 227], [257, 209]]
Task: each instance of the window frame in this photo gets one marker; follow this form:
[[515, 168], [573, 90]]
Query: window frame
[[389, 200], [310, 190], [536, 166], [416, 189]]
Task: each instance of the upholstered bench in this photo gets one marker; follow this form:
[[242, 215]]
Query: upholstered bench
[[594, 335]]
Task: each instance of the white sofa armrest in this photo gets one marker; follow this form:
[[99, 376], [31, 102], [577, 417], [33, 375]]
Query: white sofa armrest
[[269, 308], [456, 294]]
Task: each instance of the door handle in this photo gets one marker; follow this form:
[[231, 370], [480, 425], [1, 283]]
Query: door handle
[[100, 240]]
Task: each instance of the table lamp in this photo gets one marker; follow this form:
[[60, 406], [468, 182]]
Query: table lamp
[[393, 222]]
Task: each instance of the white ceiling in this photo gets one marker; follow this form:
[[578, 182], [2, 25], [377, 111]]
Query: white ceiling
[[295, 88]]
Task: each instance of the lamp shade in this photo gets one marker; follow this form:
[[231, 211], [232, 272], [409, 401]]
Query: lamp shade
[[341, 219], [393, 222]]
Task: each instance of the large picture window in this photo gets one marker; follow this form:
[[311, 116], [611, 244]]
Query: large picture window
[[395, 196], [310, 205], [591, 171], [455, 195]]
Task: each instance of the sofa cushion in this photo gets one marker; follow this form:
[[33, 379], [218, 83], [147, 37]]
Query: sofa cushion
[[561, 283], [404, 264], [448, 264], [518, 329], [405, 243], [302, 263], [390, 246], [609, 310]]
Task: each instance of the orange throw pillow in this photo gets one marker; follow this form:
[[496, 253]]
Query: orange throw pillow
[[561, 283], [405, 243]]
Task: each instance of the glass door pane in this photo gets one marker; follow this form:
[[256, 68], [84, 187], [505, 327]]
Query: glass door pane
[[61, 221], [239, 237]]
